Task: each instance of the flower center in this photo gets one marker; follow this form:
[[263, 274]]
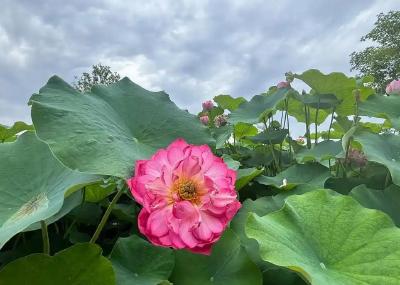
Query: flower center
[[186, 189]]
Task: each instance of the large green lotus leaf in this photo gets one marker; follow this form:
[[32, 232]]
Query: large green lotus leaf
[[330, 240], [338, 84], [320, 101], [32, 184], [136, 261], [8, 132], [222, 135], [245, 175], [81, 264], [322, 151], [260, 105], [70, 203], [230, 162], [387, 200], [228, 264], [384, 149], [270, 136], [310, 173], [229, 103], [244, 130], [296, 109], [106, 130], [379, 106], [261, 207]]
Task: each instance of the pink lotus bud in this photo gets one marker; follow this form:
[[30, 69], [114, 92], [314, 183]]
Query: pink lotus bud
[[357, 158], [208, 105], [220, 120], [393, 88], [204, 120], [283, 84], [188, 197]]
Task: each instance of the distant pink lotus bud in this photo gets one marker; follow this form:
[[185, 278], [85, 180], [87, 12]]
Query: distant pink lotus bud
[[300, 140], [188, 197], [204, 120], [220, 120], [208, 105], [283, 84], [393, 88], [357, 158]]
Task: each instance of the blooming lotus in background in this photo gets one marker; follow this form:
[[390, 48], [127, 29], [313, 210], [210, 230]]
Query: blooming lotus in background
[[207, 105], [220, 120], [393, 88], [204, 120], [283, 84], [300, 140], [188, 197]]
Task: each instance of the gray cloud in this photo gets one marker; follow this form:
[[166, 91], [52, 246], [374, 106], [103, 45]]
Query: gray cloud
[[192, 49]]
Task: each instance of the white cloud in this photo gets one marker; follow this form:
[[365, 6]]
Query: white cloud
[[193, 50]]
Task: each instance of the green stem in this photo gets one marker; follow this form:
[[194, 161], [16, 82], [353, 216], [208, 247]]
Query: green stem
[[45, 238], [387, 179], [330, 125], [106, 215], [69, 229], [274, 156], [316, 123], [347, 151], [307, 127], [288, 126]]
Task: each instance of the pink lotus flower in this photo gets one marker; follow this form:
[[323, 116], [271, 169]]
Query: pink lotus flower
[[188, 197], [300, 140], [204, 120], [220, 120], [208, 105], [283, 84], [393, 88]]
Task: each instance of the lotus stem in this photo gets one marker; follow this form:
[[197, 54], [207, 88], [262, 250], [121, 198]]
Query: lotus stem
[[106, 215], [45, 238]]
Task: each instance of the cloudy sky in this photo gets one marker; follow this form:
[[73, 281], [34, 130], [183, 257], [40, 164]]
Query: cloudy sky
[[191, 49]]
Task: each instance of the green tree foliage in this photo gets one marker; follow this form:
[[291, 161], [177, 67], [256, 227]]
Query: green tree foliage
[[382, 60], [100, 74]]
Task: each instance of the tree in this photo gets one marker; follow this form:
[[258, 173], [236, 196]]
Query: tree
[[101, 74], [382, 60]]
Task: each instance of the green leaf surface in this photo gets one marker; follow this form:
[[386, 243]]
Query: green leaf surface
[[338, 84], [228, 102], [270, 136], [244, 130], [251, 112], [70, 203], [383, 149], [245, 175], [9, 132], [96, 192], [379, 106], [330, 240], [32, 184], [387, 200], [106, 130], [309, 173], [232, 164], [222, 134], [261, 207], [228, 264], [322, 151], [136, 261], [81, 264]]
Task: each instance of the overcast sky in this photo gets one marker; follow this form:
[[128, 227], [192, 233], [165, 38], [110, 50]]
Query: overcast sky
[[193, 50]]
